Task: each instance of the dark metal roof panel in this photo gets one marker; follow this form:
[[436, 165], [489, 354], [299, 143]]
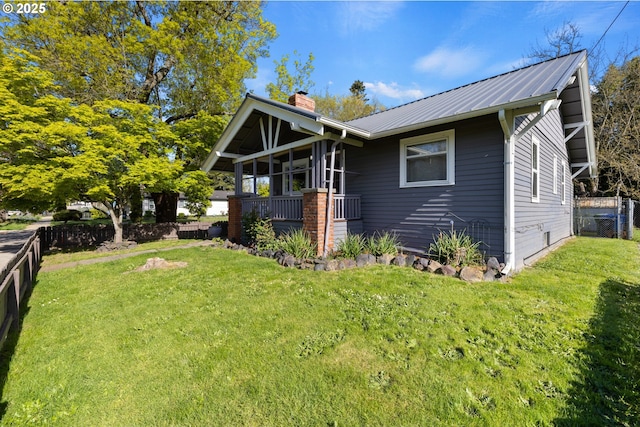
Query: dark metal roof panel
[[515, 86]]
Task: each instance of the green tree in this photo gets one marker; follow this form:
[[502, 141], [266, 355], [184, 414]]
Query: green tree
[[181, 57], [358, 90], [347, 107], [199, 133], [197, 189], [53, 150], [616, 117], [289, 82]]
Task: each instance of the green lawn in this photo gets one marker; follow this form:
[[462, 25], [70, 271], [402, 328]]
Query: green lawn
[[68, 257], [8, 225], [236, 340]]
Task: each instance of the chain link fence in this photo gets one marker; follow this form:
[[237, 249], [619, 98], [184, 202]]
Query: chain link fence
[[611, 217]]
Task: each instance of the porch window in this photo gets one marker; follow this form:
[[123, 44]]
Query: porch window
[[299, 176], [428, 160], [535, 169]]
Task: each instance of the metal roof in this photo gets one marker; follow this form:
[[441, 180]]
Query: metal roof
[[562, 78], [541, 81]]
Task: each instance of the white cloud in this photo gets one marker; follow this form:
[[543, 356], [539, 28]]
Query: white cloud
[[394, 90], [357, 16], [450, 63]]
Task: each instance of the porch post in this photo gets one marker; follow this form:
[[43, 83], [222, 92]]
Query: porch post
[[314, 208], [235, 217]]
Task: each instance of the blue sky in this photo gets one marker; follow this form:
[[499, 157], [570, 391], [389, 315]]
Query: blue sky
[[408, 50]]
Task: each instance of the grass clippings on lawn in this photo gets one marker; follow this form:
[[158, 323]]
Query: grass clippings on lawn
[[233, 339]]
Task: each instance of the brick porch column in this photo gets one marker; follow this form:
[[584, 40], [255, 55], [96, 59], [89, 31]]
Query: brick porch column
[[235, 217], [314, 214]]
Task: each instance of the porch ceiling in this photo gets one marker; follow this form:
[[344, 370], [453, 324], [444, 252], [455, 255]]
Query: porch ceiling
[[248, 139]]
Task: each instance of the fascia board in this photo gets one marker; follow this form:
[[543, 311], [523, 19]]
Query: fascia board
[[249, 106], [343, 126], [585, 95], [227, 135]]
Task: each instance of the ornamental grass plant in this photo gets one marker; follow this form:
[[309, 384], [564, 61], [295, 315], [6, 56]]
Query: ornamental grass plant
[[455, 248]]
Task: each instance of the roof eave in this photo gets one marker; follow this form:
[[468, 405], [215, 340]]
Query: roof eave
[[308, 121], [585, 93], [355, 131]]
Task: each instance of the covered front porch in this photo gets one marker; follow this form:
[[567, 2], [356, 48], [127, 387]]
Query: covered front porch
[[291, 168]]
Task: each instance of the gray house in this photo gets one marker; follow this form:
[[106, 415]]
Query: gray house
[[496, 158]]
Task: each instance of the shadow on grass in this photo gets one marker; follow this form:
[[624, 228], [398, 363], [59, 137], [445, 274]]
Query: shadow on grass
[[9, 347], [608, 392]]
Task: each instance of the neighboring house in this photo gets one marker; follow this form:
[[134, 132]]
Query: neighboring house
[[219, 204], [496, 158]]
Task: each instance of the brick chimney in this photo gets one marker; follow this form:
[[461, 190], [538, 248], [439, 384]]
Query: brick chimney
[[301, 100]]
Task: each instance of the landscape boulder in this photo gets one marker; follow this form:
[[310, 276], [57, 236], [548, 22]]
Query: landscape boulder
[[448, 270], [160, 263], [385, 259], [348, 263], [400, 260], [365, 259], [332, 265], [490, 275], [492, 263], [471, 274], [433, 266]]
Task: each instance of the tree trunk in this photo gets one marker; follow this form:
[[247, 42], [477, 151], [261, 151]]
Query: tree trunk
[[166, 207], [136, 204], [116, 218], [117, 227]]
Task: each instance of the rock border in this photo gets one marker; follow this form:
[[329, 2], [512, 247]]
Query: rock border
[[471, 274]]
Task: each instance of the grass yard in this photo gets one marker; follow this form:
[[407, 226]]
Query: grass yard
[[236, 340], [13, 226], [68, 257]]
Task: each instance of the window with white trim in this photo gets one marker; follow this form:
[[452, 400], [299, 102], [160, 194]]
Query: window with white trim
[[428, 160], [299, 174], [535, 169], [555, 174], [563, 182]]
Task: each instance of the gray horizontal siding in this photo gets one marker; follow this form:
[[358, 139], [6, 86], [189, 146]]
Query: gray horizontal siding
[[533, 220], [284, 226], [417, 214]]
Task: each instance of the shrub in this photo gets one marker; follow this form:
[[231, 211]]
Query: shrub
[[148, 215], [98, 214], [67, 215], [259, 231], [352, 245], [23, 219], [297, 243], [455, 248], [383, 244]]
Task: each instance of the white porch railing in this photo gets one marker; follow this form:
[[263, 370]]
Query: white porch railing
[[290, 207]]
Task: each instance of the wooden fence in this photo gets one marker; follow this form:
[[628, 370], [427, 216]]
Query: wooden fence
[[16, 280], [80, 236]]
